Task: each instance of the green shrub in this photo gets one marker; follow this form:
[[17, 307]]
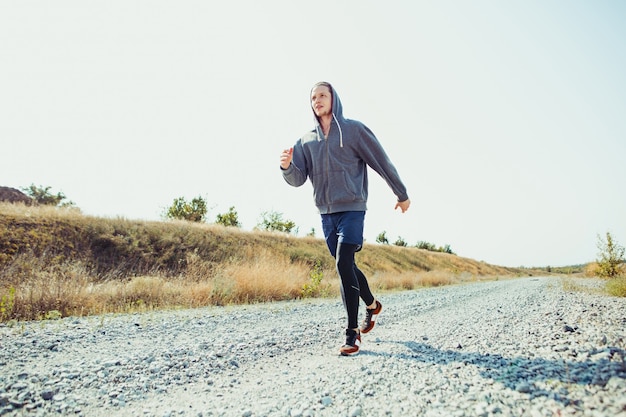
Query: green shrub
[[382, 238], [426, 245], [315, 288], [43, 196], [610, 257], [193, 211], [400, 242], [445, 249], [230, 219], [6, 304], [273, 221]]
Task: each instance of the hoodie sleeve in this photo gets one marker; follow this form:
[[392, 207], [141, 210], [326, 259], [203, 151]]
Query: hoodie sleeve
[[296, 174], [372, 152]]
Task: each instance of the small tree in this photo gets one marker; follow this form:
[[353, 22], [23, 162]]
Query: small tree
[[230, 219], [43, 196], [273, 221], [610, 257], [382, 238], [194, 211]]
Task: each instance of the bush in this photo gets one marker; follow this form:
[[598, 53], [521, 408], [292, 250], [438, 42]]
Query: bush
[[194, 211], [382, 238], [315, 288], [447, 249], [433, 248], [43, 196], [230, 219], [6, 304], [400, 242], [610, 257], [273, 221], [426, 245]]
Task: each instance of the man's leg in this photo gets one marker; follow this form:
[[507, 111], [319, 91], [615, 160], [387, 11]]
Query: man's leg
[[337, 228], [373, 306], [365, 292], [349, 282]]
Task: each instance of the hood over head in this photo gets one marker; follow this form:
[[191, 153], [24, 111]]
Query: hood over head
[[336, 109]]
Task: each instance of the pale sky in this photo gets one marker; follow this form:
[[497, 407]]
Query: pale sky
[[505, 120]]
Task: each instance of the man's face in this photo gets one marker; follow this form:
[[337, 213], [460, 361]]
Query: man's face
[[321, 101]]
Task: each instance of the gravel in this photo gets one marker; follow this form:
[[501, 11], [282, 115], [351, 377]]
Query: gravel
[[520, 347]]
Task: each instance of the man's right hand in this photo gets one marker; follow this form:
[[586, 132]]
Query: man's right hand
[[286, 157]]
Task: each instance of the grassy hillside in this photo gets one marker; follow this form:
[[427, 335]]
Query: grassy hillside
[[57, 262]]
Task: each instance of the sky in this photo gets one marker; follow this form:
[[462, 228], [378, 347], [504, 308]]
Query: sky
[[505, 120]]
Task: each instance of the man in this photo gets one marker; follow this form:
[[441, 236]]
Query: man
[[335, 156]]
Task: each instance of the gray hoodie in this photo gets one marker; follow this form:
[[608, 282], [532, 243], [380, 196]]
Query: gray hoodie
[[337, 164]]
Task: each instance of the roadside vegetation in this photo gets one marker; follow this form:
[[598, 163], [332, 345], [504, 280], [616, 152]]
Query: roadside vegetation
[[55, 262], [610, 265], [41, 195]]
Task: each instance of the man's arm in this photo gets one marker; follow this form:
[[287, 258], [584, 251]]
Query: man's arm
[[290, 170], [372, 152]]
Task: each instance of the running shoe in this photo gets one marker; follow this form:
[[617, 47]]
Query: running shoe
[[370, 317], [353, 342]]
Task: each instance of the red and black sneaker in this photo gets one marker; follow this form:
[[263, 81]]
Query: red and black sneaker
[[370, 317], [353, 342]]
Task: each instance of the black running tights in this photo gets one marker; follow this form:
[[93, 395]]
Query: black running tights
[[353, 283]]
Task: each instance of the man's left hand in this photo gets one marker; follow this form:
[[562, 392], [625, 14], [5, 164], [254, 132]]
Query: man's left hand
[[403, 205]]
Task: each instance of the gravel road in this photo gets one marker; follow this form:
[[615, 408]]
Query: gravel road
[[521, 347]]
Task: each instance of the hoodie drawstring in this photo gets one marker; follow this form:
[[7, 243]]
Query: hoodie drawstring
[[340, 132], [317, 131]]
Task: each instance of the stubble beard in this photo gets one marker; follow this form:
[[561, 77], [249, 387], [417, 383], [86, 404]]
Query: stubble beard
[[325, 112]]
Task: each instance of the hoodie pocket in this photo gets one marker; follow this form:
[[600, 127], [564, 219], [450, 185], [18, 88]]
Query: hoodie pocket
[[337, 188]]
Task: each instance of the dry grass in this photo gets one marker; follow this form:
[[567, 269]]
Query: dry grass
[[72, 291], [411, 280], [617, 286], [569, 284], [614, 286], [58, 262]]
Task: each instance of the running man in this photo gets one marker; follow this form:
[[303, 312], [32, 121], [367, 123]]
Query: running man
[[335, 156]]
